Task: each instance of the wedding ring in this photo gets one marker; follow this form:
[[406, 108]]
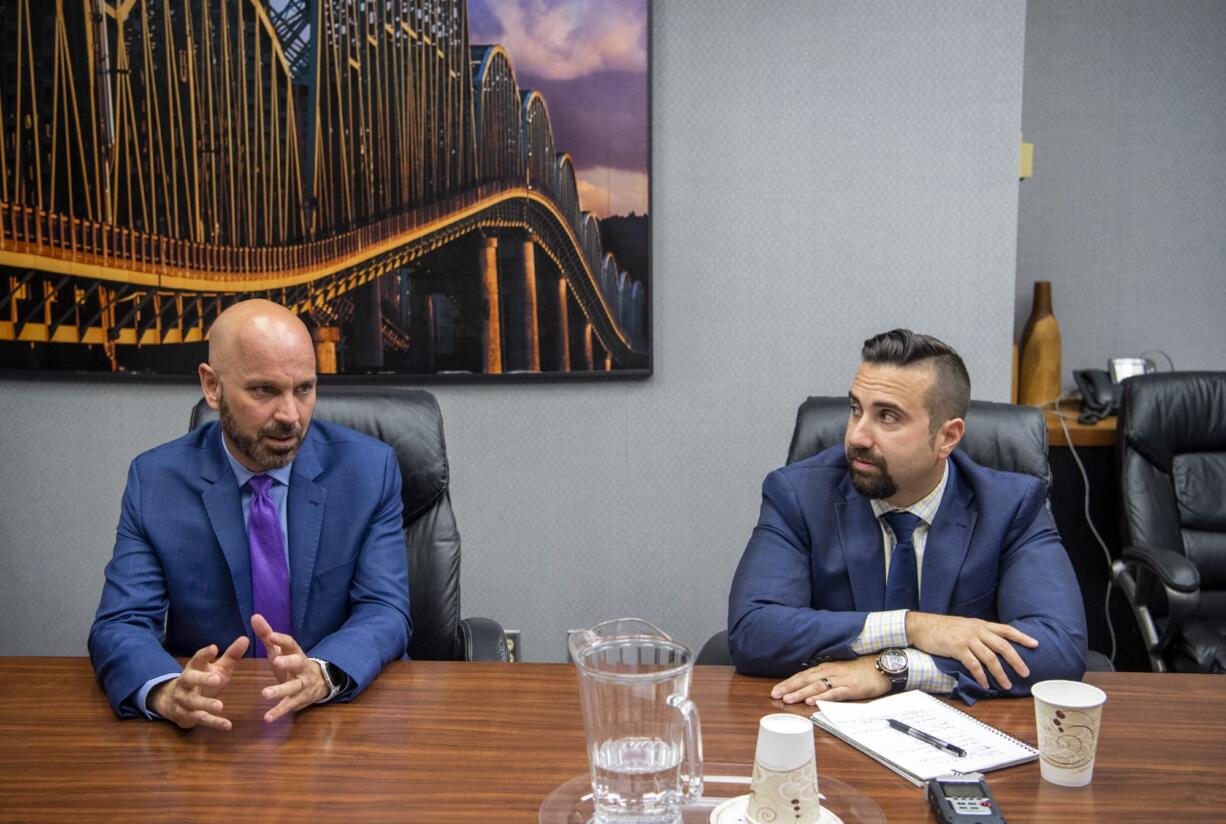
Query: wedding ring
[[829, 686]]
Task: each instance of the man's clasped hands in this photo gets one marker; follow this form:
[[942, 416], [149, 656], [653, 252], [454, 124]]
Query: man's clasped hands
[[192, 699]]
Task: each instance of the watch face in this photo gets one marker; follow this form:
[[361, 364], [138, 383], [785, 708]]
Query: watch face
[[893, 661]]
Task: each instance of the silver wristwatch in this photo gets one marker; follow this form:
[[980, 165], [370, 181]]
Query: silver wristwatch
[[330, 681], [894, 664]]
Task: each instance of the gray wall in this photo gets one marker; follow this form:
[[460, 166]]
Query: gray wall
[[821, 172], [1125, 101]]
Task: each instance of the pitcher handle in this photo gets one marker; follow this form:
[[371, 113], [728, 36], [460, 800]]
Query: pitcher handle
[[691, 777]]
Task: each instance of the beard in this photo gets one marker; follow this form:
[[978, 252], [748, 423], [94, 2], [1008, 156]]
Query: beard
[[255, 448], [878, 485]]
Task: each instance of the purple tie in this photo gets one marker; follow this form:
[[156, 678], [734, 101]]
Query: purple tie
[[269, 574]]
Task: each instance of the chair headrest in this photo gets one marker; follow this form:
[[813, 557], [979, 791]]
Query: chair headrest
[[998, 435], [1165, 414], [408, 420]]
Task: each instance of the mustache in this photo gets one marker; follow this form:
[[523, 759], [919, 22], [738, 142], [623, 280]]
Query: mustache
[[282, 431], [864, 454]]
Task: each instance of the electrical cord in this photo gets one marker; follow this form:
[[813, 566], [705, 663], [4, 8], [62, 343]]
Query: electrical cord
[[1169, 362], [1085, 480]]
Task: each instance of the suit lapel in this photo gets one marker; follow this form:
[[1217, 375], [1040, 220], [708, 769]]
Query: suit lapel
[[304, 518], [949, 539], [225, 511], [863, 553]]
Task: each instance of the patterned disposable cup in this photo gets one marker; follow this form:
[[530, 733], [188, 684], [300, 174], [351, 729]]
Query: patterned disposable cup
[[1068, 716], [784, 783]]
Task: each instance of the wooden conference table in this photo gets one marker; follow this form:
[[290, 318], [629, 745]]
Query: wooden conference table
[[444, 742]]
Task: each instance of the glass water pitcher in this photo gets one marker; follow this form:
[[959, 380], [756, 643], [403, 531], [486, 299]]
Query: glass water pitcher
[[644, 740]]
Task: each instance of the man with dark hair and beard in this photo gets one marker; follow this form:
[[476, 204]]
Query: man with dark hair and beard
[[896, 562], [266, 533]]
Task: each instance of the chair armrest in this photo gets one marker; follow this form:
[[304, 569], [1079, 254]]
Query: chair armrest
[[715, 651], [1098, 662], [1174, 570], [1136, 573], [482, 639]]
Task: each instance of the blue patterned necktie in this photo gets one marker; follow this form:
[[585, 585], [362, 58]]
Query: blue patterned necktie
[[269, 573], [902, 584]]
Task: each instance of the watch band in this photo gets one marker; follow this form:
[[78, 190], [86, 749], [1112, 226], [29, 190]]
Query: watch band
[[334, 688]]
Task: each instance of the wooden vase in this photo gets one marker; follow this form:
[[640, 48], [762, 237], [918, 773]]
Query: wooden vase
[[1039, 378]]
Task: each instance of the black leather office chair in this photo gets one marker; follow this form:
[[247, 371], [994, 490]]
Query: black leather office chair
[[998, 435], [410, 422], [1172, 450]]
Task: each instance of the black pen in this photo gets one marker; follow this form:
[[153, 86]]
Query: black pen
[[926, 738]]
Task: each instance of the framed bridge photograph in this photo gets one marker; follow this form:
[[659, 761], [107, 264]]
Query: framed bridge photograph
[[440, 189]]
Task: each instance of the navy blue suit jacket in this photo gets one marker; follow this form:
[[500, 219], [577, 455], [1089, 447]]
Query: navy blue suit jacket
[[815, 567], [180, 577]]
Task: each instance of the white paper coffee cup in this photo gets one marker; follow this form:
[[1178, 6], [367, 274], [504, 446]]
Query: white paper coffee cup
[[784, 782], [785, 741], [1067, 716]]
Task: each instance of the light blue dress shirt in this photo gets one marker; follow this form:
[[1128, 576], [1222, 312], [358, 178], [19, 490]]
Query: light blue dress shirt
[[279, 492]]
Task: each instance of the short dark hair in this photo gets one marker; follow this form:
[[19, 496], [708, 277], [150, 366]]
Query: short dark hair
[[950, 393]]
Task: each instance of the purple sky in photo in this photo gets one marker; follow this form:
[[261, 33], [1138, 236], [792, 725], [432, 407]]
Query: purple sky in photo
[[589, 59]]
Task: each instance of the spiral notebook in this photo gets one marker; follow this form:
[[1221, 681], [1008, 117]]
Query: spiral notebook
[[864, 726]]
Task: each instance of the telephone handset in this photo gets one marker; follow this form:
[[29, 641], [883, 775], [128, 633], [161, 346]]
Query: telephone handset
[[1100, 395], [1100, 390]]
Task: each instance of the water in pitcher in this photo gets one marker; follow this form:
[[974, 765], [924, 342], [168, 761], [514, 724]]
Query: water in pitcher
[[635, 780]]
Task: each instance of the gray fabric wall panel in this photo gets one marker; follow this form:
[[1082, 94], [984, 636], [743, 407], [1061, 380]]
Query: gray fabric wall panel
[[1126, 212], [821, 172], [64, 452]]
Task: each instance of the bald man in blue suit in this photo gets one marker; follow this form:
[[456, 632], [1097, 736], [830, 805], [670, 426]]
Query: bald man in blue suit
[[896, 563], [180, 581]]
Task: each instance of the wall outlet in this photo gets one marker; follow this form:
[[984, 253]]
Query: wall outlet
[[514, 649]]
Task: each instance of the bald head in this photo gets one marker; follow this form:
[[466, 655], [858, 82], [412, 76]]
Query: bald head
[[256, 324], [260, 377]]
